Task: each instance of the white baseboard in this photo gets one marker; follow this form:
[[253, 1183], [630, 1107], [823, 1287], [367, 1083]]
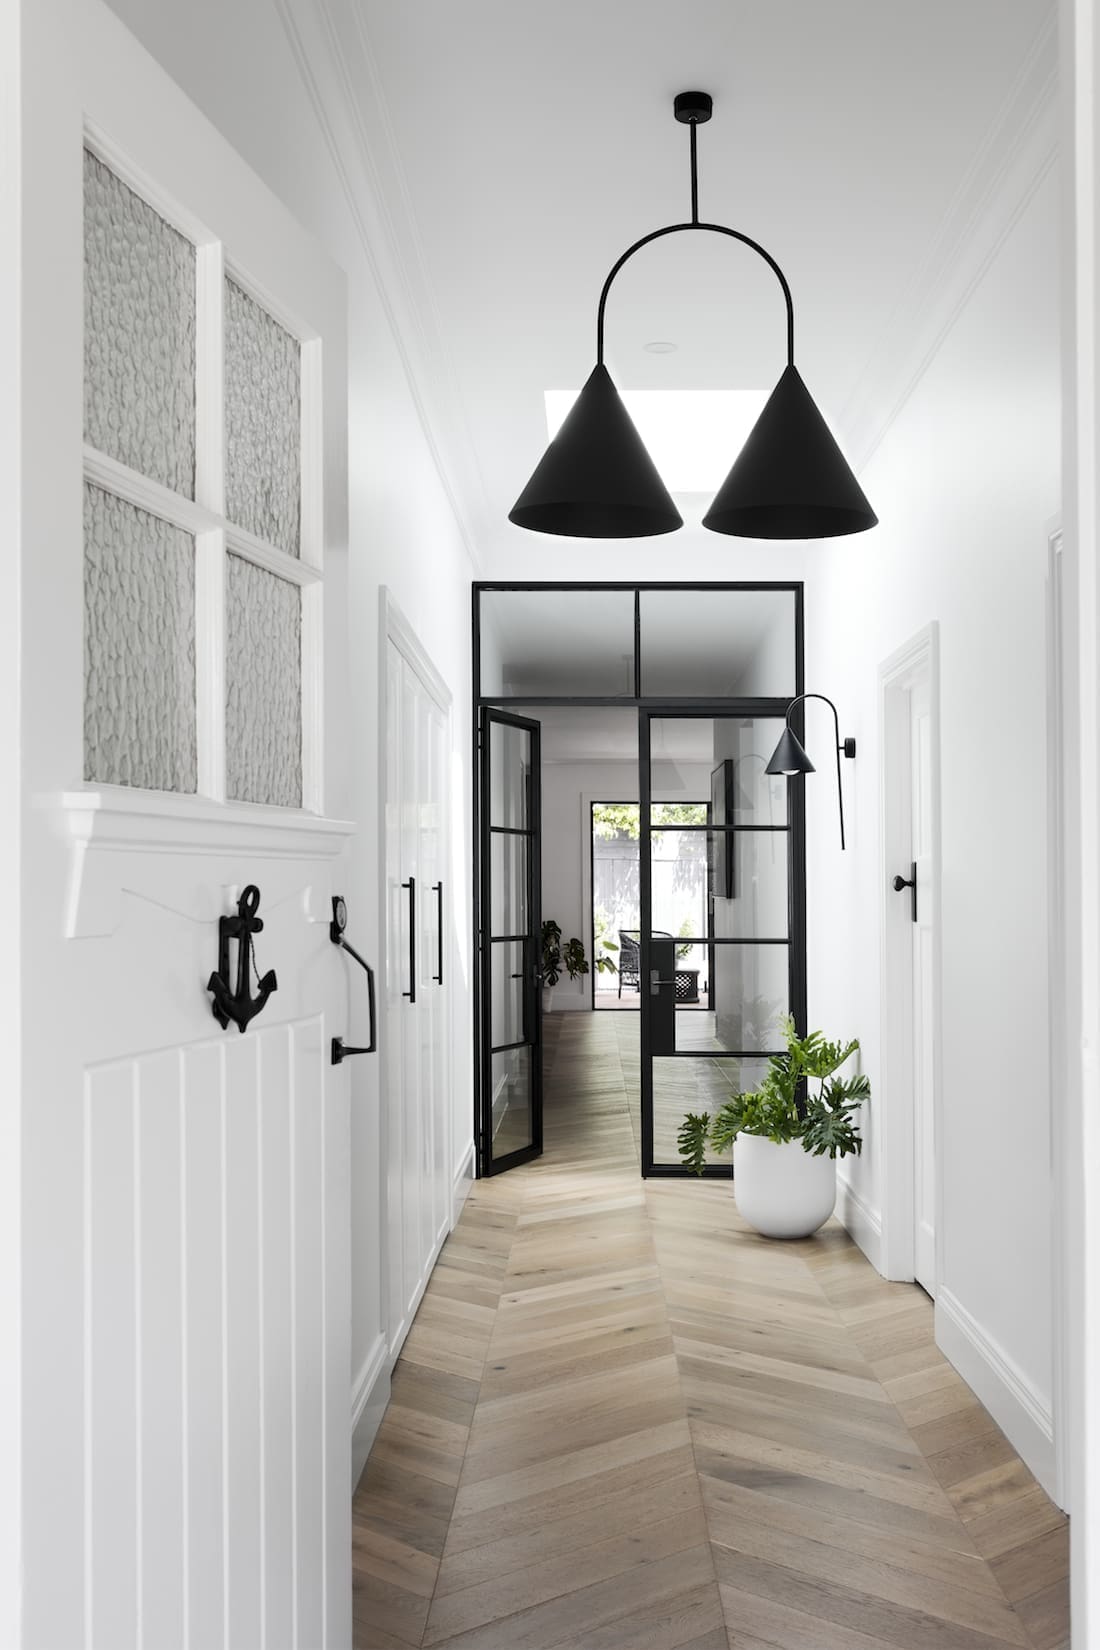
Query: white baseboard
[[1021, 1412], [463, 1179], [370, 1394], [862, 1223]]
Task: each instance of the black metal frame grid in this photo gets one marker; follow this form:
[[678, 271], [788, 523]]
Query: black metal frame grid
[[647, 707]]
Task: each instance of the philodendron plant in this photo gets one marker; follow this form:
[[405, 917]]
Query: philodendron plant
[[786, 1106]]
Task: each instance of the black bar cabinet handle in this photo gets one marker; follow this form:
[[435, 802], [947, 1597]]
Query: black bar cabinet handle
[[411, 992], [438, 886]]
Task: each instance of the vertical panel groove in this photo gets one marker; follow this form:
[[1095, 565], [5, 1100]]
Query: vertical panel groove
[[224, 1263], [261, 1362], [185, 1354], [88, 1522], [139, 1374], [293, 1201]]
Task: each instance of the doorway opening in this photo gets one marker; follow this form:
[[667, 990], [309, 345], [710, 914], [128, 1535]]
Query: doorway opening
[[621, 743]]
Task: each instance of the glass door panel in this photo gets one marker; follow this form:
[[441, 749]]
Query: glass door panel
[[723, 918], [511, 1063]]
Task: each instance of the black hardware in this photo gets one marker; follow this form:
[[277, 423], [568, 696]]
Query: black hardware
[[411, 992], [789, 756], [340, 1049], [911, 883], [238, 1006], [438, 978]]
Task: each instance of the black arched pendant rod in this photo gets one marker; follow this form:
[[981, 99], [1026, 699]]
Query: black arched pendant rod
[[715, 229], [842, 747]]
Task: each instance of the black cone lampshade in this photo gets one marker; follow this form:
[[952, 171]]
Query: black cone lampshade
[[790, 480], [789, 756], [596, 480]]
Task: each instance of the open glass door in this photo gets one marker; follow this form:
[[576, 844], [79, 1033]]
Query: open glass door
[[510, 936], [712, 1003]]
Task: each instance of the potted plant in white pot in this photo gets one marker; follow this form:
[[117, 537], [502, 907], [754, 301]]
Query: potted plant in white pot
[[559, 959], [786, 1135]]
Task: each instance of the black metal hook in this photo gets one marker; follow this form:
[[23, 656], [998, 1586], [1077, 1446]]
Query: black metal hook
[[340, 1049], [238, 1005]]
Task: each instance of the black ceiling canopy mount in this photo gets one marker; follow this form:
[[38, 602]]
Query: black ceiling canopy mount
[[790, 480]]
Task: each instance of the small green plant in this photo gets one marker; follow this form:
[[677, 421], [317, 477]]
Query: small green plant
[[683, 951], [784, 1107], [601, 928], [559, 959]]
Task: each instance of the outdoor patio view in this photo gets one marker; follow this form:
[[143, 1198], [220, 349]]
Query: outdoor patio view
[[680, 905]]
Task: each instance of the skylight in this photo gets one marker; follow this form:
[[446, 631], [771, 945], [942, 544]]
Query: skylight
[[693, 436]]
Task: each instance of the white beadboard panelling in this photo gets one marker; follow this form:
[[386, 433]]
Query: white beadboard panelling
[[158, 1261], [204, 1601], [336, 1284], [307, 1204], [112, 1464], [243, 1500], [276, 1257]]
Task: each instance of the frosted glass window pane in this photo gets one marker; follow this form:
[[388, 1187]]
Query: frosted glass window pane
[[139, 333], [262, 423], [139, 647], [263, 673]]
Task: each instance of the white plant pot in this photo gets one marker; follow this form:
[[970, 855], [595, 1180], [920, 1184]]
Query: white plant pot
[[781, 1190], [547, 998]]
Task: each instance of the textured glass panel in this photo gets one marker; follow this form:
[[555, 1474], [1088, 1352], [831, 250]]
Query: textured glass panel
[[139, 647], [139, 333], [263, 679], [262, 423]]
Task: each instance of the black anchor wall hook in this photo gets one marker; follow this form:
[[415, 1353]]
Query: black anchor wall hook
[[238, 1006]]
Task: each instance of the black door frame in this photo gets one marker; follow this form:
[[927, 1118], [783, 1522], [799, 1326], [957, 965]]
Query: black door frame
[[636, 700], [532, 997]]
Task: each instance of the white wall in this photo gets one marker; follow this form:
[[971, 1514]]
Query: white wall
[[568, 790], [236, 63], [965, 484]]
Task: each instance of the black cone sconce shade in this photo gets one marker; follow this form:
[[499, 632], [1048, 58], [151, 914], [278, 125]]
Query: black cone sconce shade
[[789, 756], [790, 481]]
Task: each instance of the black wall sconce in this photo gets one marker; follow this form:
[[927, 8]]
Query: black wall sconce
[[237, 1005], [340, 1049], [790, 481], [789, 756]]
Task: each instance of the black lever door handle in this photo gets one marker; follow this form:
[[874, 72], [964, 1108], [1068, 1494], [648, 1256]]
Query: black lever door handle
[[901, 882], [438, 978], [340, 1049], [411, 992]]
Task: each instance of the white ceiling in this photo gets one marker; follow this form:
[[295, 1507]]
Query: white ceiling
[[520, 148]]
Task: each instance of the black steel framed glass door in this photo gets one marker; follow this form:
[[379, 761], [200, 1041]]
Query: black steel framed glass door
[[510, 1124], [713, 1003]]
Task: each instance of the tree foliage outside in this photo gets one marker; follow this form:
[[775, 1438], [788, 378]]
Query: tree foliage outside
[[622, 820], [784, 1107]]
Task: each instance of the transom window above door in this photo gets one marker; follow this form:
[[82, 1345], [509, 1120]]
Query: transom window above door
[[203, 527]]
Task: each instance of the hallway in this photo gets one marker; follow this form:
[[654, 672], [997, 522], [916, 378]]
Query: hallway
[[621, 1421]]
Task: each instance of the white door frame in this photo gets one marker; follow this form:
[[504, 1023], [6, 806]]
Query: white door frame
[[1056, 998], [895, 1112], [395, 628]]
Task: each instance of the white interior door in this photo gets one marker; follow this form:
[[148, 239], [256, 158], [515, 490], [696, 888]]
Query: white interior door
[[184, 1238], [924, 1061], [417, 1080]]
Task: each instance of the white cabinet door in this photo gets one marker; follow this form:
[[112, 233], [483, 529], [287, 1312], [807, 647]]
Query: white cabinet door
[[183, 1248], [418, 978]]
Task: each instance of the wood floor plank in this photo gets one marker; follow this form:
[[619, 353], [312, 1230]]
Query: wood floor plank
[[624, 1421]]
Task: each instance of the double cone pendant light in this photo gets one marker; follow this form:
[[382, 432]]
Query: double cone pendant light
[[790, 481]]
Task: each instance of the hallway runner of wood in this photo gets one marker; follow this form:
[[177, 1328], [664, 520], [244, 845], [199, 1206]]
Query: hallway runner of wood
[[622, 1421]]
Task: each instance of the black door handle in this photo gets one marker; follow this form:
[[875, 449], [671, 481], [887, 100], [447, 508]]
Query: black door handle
[[411, 992], [901, 882], [340, 1049], [438, 978]]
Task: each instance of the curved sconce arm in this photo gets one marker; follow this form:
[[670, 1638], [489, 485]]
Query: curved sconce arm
[[845, 747]]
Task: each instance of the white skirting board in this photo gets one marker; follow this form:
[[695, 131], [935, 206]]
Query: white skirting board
[[369, 1396], [862, 1223], [463, 1179], [1022, 1414]]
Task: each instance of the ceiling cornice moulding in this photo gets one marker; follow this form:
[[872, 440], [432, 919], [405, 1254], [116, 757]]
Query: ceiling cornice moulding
[[319, 40], [1018, 152]]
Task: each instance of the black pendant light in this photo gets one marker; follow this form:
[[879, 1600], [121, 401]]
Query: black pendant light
[[789, 756], [596, 479]]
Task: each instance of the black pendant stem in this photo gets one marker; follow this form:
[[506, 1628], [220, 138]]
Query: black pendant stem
[[844, 747], [714, 229]]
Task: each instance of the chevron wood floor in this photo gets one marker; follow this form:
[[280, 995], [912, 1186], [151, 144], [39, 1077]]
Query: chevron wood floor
[[622, 1421]]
